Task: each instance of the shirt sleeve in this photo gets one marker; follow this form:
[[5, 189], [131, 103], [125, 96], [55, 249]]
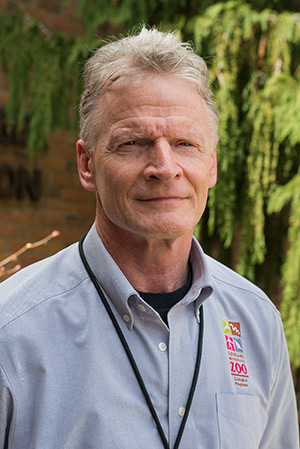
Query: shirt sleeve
[[281, 431], [6, 411]]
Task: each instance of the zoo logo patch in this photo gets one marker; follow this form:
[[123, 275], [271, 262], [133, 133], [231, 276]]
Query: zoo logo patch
[[234, 345]]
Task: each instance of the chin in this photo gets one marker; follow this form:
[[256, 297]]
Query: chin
[[167, 232]]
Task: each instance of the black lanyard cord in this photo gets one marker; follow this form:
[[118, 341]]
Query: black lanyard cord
[[133, 362]]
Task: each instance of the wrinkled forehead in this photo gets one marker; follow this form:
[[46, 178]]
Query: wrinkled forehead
[[162, 92], [160, 102]]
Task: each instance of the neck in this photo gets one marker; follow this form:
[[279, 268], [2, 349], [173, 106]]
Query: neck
[[150, 265]]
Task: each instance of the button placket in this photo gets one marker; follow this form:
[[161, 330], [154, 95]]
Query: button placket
[[184, 333]]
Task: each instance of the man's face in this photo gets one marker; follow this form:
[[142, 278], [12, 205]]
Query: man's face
[[154, 161]]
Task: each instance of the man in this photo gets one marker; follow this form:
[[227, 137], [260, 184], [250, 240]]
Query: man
[[137, 338]]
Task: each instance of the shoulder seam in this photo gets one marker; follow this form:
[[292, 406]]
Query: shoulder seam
[[263, 297], [43, 301]]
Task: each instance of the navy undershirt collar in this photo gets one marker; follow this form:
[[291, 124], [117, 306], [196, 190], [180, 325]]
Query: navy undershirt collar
[[163, 302]]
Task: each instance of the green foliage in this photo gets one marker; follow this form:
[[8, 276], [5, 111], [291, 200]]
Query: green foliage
[[250, 64], [128, 13], [290, 309], [43, 76], [253, 57]]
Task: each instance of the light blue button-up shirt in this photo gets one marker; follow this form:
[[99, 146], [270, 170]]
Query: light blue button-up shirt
[[66, 382]]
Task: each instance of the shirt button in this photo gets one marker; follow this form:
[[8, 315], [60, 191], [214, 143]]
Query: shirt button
[[126, 318], [181, 411], [162, 346], [142, 307]]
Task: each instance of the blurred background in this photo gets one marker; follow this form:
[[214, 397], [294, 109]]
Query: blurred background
[[252, 48]]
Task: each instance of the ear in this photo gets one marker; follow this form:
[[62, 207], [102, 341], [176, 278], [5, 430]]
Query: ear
[[85, 167], [213, 168]]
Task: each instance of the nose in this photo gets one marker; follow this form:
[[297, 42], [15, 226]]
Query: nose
[[162, 162]]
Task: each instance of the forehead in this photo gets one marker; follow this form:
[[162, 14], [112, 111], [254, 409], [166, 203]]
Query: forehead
[[162, 102]]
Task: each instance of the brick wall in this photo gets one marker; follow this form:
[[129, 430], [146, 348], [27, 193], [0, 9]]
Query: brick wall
[[63, 204]]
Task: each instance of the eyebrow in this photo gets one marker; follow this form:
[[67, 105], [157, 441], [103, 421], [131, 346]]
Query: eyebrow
[[120, 135], [128, 133]]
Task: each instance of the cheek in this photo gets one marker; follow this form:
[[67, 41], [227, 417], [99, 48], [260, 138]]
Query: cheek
[[112, 185], [199, 176]]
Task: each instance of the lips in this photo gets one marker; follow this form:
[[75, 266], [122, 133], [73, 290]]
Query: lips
[[162, 198]]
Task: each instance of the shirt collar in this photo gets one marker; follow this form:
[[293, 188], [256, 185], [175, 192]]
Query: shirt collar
[[119, 290], [202, 286]]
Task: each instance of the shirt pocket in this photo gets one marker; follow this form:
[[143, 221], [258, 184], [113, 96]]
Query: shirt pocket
[[241, 420]]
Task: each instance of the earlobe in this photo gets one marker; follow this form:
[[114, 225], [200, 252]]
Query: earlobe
[[85, 167]]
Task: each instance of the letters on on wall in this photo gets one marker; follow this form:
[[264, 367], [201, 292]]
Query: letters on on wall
[[20, 182]]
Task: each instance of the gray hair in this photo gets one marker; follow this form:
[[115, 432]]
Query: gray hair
[[150, 51]]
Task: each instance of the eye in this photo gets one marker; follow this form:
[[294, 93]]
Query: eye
[[130, 143], [185, 143]]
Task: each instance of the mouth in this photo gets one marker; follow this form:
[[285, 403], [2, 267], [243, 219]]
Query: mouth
[[163, 200]]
